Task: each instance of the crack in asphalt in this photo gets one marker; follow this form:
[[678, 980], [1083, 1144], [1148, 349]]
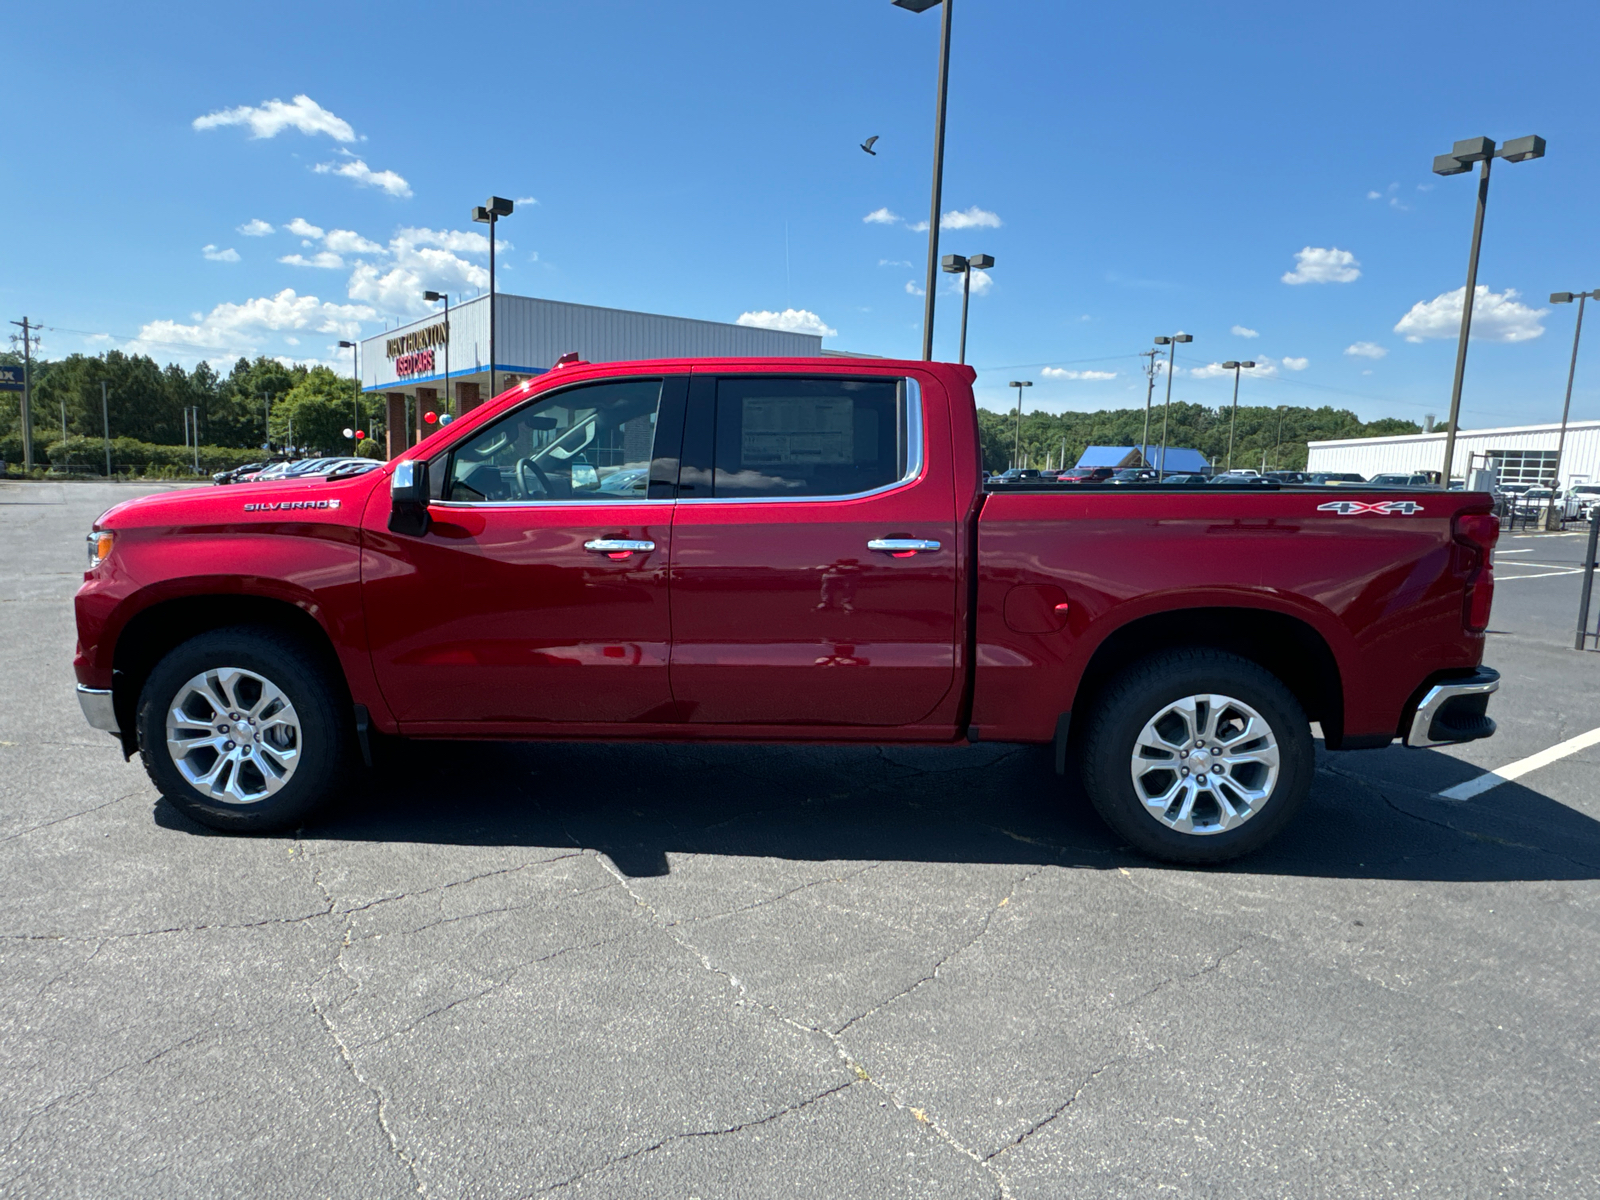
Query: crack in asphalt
[[695, 1133], [934, 974], [1038, 1125], [1205, 970], [779, 896], [69, 817]]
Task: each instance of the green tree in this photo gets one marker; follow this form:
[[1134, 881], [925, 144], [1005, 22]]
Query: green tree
[[320, 407]]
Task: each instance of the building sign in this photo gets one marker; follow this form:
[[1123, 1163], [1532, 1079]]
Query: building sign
[[418, 339], [419, 362], [10, 377]]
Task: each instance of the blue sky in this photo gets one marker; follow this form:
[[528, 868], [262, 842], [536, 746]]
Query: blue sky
[[1135, 170]]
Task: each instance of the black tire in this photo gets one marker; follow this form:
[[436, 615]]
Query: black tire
[[1138, 696], [324, 742]]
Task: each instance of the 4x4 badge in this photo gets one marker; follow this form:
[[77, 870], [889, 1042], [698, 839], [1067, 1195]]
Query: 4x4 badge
[[1350, 508]]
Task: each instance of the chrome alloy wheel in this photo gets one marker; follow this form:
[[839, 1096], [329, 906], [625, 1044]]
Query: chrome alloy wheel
[[233, 735], [1205, 764]]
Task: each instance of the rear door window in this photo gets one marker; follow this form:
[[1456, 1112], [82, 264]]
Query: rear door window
[[778, 436]]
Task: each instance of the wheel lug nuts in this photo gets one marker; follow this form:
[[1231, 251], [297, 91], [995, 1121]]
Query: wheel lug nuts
[[247, 750], [222, 729], [227, 745], [233, 716]]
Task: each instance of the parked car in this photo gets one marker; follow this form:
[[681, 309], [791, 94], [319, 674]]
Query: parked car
[[1588, 498], [1239, 479], [1016, 475], [1187, 479], [1288, 476], [237, 473], [1535, 500], [1134, 475], [1400, 479], [1335, 477], [772, 584], [1086, 474]]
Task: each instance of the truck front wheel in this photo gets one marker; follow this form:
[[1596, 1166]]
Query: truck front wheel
[[241, 731], [1197, 756]]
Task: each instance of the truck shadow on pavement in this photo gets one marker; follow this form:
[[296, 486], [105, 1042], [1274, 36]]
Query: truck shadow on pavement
[[638, 804]]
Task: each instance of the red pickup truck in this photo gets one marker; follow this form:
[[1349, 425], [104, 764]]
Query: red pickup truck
[[781, 550]]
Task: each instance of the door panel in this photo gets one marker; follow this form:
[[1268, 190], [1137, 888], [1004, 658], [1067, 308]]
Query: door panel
[[781, 613], [502, 612]]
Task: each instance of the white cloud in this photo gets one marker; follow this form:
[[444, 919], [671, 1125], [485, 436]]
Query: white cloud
[[241, 327], [790, 320], [913, 290], [525, 200], [1374, 195], [1209, 371], [894, 262], [1241, 331], [981, 282], [365, 176], [274, 116], [881, 216], [1296, 364], [255, 228], [1317, 265], [971, 218], [215, 255], [1496, 317], [1064, 373], [451, 239], [323, 258], [301, 227], [1366, 350], [345, 241]]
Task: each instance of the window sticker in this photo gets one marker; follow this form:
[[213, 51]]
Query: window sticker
[[793, 430]]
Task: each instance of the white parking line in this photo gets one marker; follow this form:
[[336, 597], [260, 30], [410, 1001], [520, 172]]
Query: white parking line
[[1499, 578], [1516, 770]]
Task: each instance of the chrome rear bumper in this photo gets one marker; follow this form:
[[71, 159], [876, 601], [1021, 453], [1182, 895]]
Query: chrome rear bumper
[[1452, 711], [97, 708]]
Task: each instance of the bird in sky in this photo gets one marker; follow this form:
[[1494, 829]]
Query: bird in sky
[[867, 145]]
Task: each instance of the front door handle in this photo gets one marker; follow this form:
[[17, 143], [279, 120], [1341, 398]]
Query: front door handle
[[902, 547], [618, 548]]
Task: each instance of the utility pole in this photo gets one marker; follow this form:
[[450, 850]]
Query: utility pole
[[105, 421], [1149, 394], [29, 340]]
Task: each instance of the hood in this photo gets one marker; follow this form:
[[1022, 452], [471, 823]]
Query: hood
[[339, 500]]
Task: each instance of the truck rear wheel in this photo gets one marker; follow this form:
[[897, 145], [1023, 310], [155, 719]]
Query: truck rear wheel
[[241, 730], [1197, 756]]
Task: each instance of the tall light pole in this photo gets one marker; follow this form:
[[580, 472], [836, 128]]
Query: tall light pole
[[1277, 463], [445, 296], [1166, 413], [918, 6], [955, 264], [1016, 450], [355, 401], [489, 214], [29, 340], [1233, 421], [1460, 159], [1149, 392], [1572, 369]]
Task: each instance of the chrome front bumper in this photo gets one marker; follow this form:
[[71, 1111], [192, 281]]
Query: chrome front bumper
[[97, 708], [1452, 711]]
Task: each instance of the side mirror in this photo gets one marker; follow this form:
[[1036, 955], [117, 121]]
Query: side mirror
[[408, 499]]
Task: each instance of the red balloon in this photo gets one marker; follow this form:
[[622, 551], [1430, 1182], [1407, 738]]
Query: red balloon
[[360, 433], [430, 418]]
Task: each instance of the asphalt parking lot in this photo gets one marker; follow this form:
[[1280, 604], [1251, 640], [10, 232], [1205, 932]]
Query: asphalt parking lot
[[505, 971]]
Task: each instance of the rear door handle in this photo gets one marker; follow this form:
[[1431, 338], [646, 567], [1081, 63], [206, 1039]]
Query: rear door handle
[[902, 547], [618, 548]]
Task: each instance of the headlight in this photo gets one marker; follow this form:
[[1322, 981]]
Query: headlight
[[99, 547]]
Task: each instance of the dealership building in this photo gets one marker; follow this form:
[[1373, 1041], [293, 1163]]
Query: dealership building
[[435, 365], [1518, 453]]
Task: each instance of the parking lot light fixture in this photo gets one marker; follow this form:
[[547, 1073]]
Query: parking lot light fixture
[[1572, 370], [919, 6], [1166, 413], [1233, 421], [489, 214], [1016, 449], [1460, 159], [955, 264]]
